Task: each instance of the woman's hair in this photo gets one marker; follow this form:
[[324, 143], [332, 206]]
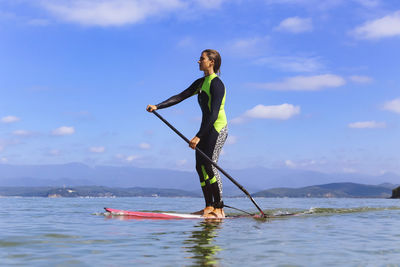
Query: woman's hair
[[215, 56]]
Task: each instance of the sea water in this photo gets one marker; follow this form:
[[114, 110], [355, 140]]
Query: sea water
[[76, 232]]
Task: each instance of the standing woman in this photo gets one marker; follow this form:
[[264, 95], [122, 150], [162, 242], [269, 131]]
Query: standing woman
[[213, 130]]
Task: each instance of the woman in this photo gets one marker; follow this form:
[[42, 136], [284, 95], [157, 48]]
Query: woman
[[213, 130]]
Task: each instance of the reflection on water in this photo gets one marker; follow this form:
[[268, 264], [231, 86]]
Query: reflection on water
[[200, 243]]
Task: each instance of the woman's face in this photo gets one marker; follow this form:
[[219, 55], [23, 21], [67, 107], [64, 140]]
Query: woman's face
[[205, 63]]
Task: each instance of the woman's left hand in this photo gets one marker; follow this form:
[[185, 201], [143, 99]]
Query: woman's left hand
[[193, 143]]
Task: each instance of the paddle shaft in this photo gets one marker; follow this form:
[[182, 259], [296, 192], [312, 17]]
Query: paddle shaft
[[212, 162]]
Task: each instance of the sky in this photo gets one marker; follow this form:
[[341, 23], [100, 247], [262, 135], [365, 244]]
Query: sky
[[310, 84]]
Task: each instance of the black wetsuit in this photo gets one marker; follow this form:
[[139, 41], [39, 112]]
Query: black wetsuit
[[213, 132]]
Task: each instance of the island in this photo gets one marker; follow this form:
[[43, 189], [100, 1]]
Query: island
[[396, 192]]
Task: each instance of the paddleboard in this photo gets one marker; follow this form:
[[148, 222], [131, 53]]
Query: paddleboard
[[152, 215], [168, 215]]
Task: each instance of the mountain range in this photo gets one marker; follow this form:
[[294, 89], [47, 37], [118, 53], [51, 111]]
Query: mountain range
[[253, 179], [334, 190]]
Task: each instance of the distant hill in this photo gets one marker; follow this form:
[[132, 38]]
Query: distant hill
[[77, 174], [389, 185], [253, 179], [333, 190], [92, 191]]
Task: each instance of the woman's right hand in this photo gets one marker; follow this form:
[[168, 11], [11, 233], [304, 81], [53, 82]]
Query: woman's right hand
[[151, 108]]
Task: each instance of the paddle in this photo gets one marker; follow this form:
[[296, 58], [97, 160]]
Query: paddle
[[212, 162]]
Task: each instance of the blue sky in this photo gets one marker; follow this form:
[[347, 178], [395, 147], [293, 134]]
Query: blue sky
[[310, 84]]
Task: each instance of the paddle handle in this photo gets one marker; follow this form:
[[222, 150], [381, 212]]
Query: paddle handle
[[211, 161]]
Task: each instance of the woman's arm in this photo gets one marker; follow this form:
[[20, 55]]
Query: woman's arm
[[191, 90]]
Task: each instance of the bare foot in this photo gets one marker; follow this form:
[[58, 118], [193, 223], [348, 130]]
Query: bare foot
[[211, 215], [215, 214], [204, 211], [208, 210], [220, 213]]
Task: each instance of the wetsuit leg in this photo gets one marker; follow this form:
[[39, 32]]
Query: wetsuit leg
[[210, 180], [217, 192], [204, 178]]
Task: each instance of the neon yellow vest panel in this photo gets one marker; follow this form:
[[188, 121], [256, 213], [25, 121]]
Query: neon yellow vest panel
[[221, 121]]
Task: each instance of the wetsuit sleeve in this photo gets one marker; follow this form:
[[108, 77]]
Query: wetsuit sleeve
[[217, 92], [173, 100]]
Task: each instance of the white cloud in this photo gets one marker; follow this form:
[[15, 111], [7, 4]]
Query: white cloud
[[3, 159], [4, 143], [55, 152], [277, 112], [293, 64], [360, 79], [144, 146], [247, 47], [304, 163], [295, 25], [210, 4], [393, 105], [64, 130], [22, 133], [322, 5], [125, 158], [231, 140], [10, 119], [290, 163], [387, 26], [97, 149], [83, 114], [349, 170], [131, 158], [109, 12], [367, 124], [286, 1], [368, 3], [186, 42], [245, 43], [38, 22], [303, 83], [181, 163]]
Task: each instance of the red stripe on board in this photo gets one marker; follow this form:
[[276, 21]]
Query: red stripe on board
[[142, 214]]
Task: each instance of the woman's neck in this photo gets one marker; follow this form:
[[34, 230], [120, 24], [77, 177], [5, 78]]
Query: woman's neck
[[208, 73]]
